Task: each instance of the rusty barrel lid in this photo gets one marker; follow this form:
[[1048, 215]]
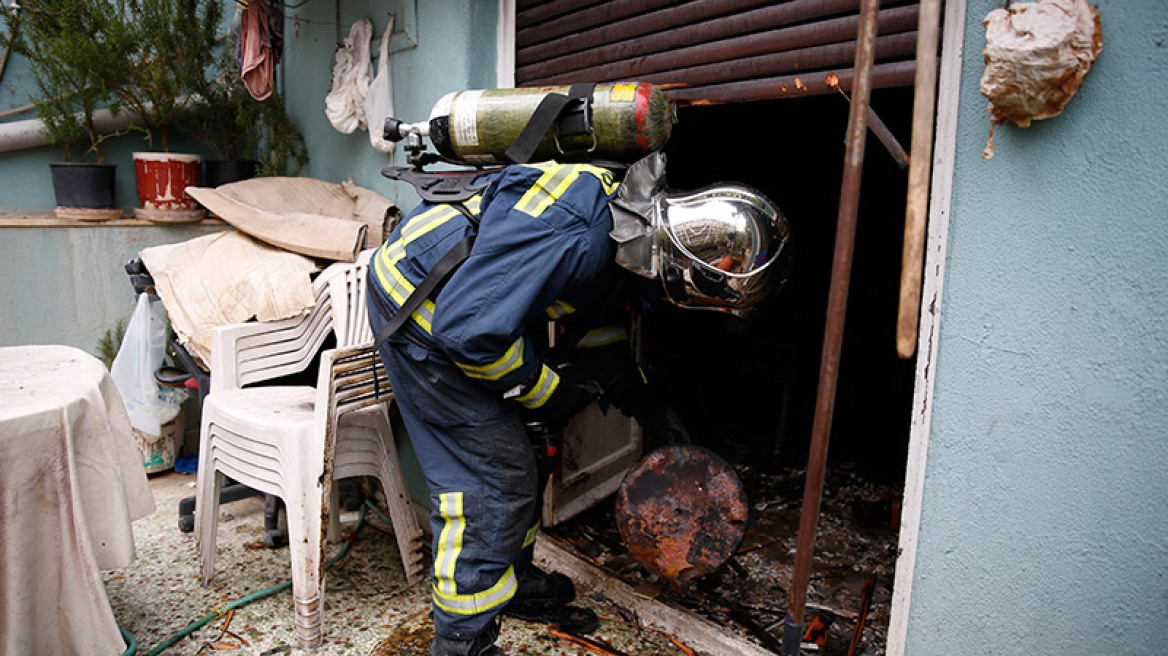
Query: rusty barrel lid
[[681, 512]]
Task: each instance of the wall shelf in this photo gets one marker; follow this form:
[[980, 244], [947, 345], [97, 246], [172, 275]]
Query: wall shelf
[[48, 220]]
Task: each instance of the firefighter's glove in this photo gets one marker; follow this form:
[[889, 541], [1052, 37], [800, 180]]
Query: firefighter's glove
[[631, 393], [628, 391], [566, 401]]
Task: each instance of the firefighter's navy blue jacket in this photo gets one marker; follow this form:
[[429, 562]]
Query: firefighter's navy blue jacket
[[543, 234], [463, 365]]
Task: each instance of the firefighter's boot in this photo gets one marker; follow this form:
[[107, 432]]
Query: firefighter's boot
[[544, 597], [481, 645]]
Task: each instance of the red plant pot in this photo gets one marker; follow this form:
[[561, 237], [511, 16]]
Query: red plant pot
[[162, 182]]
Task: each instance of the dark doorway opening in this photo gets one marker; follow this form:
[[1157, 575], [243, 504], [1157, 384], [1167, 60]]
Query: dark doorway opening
[[752, 383]]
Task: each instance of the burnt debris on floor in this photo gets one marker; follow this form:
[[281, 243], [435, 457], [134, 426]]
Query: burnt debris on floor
[[855, 560]]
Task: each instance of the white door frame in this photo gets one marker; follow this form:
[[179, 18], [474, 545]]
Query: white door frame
[[505, 46], [940, 204]]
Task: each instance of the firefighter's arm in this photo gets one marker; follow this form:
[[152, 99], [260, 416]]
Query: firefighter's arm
[[481, 315]]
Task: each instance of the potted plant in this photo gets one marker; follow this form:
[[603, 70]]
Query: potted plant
[[74, 78], [249, 137], [171, 49]]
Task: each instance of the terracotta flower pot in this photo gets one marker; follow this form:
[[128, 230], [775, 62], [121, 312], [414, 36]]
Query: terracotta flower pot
[[162, 182]]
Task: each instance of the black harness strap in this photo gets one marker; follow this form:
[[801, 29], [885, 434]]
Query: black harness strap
[[546, 113], [441, 271]]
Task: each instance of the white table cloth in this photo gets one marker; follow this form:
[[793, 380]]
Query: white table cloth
[[71, 483]]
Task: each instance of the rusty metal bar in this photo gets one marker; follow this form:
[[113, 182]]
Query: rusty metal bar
[[897, 74], [841, 271], [707, 22], [681, 48], [878, 128]]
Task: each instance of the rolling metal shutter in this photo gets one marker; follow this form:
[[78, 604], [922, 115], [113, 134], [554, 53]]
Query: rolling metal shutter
[[710, 51]]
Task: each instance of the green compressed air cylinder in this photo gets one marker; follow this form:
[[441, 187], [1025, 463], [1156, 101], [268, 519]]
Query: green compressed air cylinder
[[629, 120]]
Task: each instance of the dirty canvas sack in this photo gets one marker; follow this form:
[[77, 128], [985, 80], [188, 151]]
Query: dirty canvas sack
[[141, 354]]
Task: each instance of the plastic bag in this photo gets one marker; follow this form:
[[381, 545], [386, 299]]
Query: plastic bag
[[141, 354], [352, 73], [379, 97]]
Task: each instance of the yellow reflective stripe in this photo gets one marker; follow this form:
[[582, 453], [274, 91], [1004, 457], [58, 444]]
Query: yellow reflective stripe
[[602, 337], [559, 310], [479, 602], [385, 265], [542, 390], [554, 181], [606, 178], [449, 542], [531, 533], [510, 361]]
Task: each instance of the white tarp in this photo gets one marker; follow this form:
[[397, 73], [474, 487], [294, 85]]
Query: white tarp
[[225, 278]]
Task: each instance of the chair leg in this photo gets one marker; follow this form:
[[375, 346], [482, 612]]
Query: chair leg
[[405, 523], [334, 525], [304, 545], [209, 483]]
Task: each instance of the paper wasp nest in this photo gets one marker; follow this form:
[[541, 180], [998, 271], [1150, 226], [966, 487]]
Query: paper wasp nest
[[1036, 56]]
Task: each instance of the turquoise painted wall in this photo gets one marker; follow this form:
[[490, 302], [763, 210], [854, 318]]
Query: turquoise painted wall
[[1044, 526], [67, 285]]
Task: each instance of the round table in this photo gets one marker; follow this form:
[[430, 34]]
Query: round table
[[71, 483]]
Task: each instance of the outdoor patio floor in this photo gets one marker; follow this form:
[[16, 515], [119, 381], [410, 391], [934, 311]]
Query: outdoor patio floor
[[369, 609]]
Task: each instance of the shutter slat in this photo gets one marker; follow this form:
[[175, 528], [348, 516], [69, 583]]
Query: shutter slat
[[740, 20], [533, 12], [816, 58], [711, 51], [619, 61], [595, 17]]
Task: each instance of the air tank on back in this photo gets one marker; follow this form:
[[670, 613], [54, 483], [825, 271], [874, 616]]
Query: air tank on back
[[629, 121]]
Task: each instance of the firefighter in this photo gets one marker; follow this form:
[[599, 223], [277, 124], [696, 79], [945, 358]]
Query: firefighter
[[470, 375]]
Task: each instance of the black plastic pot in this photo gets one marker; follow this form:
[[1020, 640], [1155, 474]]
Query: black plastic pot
[[222, 171], [83, 185]]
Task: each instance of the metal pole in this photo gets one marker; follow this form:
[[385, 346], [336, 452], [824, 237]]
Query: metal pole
[[841, 270], [917, 204]]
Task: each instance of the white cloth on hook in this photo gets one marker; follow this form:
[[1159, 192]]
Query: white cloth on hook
[[352, 74], [379, 98]]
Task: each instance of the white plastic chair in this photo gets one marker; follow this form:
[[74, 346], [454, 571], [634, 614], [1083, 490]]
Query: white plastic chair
[[282, 440], [365, 446]]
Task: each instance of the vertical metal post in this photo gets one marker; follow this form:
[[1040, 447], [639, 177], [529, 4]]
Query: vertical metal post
[[841, 271], [921, 163]]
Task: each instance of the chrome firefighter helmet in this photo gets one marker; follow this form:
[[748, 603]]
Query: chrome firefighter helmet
[[724, 247]]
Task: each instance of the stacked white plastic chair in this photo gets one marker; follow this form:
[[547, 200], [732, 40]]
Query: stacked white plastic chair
[[293, 440], [366, 445]]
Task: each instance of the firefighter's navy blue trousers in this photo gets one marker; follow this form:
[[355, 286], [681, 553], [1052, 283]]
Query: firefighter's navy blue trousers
[[475, 453]]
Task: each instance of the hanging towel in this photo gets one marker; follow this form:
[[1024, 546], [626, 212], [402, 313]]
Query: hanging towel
[[261, 42], [352, 74], [379, 98]]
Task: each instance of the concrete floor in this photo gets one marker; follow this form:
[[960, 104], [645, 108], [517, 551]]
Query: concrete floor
[[369, 610]]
